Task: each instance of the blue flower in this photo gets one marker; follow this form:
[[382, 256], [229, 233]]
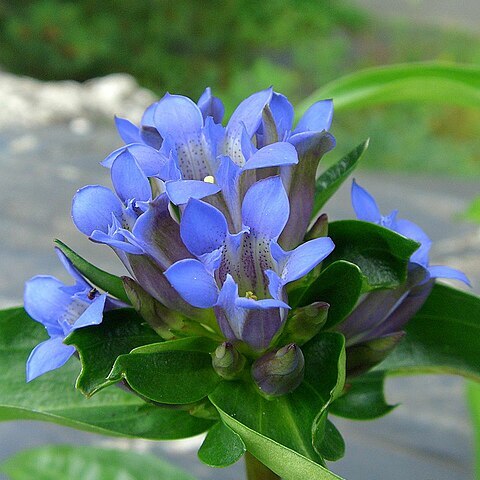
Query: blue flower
[[243, 275], [61, 309], [366, 209]]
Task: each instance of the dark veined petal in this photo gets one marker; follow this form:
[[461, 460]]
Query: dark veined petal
[[364, 204], [48, 355], [45, 301], [194, 284], [211, 106], [265, 208], [203, 228], [181, 191], [297, 263], [176, 115], [440, 271], [128, 132], [273, 155], [317, 118], [93, 314], [92, 209], [129, 181]]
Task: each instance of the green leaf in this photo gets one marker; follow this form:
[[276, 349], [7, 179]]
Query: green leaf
[[381, 254], [428, 82], [101, 279], [222, 447], [99, 346], [283, 425], [75, 462], [332, 178], [364, 399], [173, 372], [443, 337], [340, 285], [327, 440], [473, 398], [52, 397]]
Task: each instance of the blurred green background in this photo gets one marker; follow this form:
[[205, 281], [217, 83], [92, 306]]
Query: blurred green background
[[240, 46]]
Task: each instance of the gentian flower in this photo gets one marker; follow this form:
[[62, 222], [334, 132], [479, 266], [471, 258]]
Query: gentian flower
[[243, 275], [61, 309]]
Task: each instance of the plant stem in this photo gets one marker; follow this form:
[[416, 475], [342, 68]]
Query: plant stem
[[256, 470]]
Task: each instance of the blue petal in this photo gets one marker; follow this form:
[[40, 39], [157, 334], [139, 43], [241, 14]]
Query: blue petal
[[129, 181], [297, 263], [230, 317], [150, 161], [92, 209], [203, 228], [317, 118], [265, 208], [273, 155], [45, 301], [176, 115], [182, 191], [211, 106], [413, 231], [440, 271], [364, 204], [283, 113], [116, 241], [93, 315], [68, 265], [47, 356], [128, 132], [275, 284], [264, 304], [148, 115], [194, 284], [107, 163], [248, 114]]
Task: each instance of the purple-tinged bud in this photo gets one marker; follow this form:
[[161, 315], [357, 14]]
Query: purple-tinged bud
[[363, 356], [304, 323], [279, 372], [164, 321], [227, 361], [319, 228]]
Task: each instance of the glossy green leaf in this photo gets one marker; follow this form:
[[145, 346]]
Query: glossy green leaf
[[443, 337], [99, 346], [327, 440], [101, 279], [381, 254], [473, 398], [78, 462], [52, 397], [222, 447], [340, 285], [364, 399], [173, 372], [427, 82], [332, 178], [283, 425]]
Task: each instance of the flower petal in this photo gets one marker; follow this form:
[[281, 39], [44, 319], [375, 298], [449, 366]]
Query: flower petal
[[203, 228], [48, 355], [116, 241], [151, 161], [317, 118], [92, 209], [265, 208], [273, 155], [283, 113], [68, 265], [211, 106], [264, 304], [364, 204], [45, 301], [297, 263], [440, 271], [129, 181], [412, 230], [181, 191], [93, 314], [128, 132], [194, 284]]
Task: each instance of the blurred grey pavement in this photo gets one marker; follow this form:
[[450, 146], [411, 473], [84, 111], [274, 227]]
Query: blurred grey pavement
[[427, 437]]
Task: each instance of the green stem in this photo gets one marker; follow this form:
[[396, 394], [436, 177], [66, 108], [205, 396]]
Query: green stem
[[256, 470]]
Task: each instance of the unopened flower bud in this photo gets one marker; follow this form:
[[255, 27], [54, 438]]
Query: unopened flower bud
[[227, 361], [279, 372]]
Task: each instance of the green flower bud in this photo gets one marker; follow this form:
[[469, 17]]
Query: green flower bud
[[227, 361], [280, 371]]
